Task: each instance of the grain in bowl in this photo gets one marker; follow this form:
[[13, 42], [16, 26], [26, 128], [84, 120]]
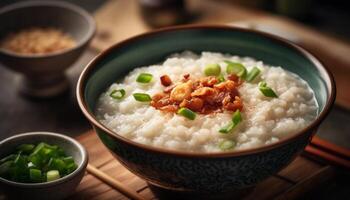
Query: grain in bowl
[[210, 102], [37, 40]]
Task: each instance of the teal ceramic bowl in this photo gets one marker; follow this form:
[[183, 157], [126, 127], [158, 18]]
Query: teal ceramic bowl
[[201, 172]]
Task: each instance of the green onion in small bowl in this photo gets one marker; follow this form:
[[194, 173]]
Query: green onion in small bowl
[[32, 163], [49, 162]]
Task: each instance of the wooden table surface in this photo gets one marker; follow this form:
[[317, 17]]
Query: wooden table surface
[[300, 179], [61, 114]]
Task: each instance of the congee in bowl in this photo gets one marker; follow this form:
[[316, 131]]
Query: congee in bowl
[[205, 109], [207, 102]]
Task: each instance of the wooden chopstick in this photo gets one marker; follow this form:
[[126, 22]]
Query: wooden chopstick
[[331, 158], [330, 147], [114, 183]]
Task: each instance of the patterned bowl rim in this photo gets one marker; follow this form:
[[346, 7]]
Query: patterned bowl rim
[[101, 56]]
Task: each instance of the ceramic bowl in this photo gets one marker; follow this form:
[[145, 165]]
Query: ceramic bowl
[[44, 74], [202, 172], [58, 189]]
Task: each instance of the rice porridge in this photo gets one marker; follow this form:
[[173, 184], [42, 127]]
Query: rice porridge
[[210, 102]]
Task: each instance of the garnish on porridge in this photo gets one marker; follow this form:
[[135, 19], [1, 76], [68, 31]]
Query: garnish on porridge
[[204, 95], [117, 94], [142, 97]]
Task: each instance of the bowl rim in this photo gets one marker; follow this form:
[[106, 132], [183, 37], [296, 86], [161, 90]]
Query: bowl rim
[[61, 4], [82, 151], [320, 117]]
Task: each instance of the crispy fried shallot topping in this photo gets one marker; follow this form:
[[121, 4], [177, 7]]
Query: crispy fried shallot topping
[[165, 80], [205, 95]]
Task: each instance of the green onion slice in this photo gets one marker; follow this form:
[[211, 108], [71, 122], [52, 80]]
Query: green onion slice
[[212, 70], [253, 74], [189, 114], [7, 158], [68, 159], [236, 118], [142, 97], [38, 148], [228, 128], [25, 148], [227, 144], [267, 91], [221, 78], [236, 68], [117, 94], [144, 78], [5, 168], [52, 175], [71, 167], [35, 175]]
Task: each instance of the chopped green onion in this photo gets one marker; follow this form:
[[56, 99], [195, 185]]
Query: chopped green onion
[[189, 114], [26, 148], [117, 94], [212, 70], [35, 175], [252, 74], [30, 165], [144, 78], [58, 164], [5, 168], [267, 91], [33, 163], [236, 118], [228, 128], [71, 167], [227, 144], [52, 175], [142, 97], [38, 148], [236, 68], [221, 78], [36, 160], [7, 158], [68, 160]]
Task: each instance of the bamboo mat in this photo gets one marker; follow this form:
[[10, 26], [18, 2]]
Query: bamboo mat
[[301, 177]]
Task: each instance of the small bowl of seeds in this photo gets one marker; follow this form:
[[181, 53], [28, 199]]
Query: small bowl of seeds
[[47, 38]]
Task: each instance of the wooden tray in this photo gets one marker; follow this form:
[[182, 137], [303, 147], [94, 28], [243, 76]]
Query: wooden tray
[[298, 179]]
